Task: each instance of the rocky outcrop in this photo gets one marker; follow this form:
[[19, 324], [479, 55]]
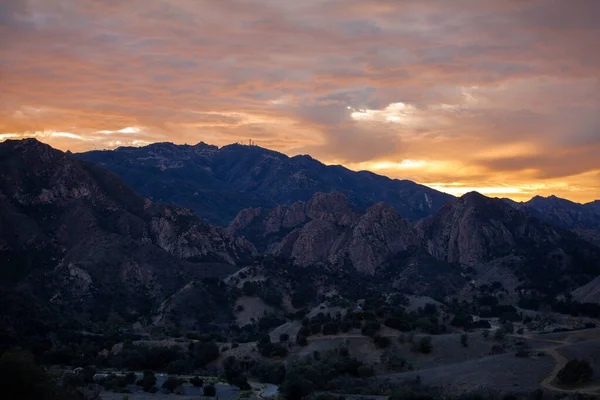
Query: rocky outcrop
[[328, 229], [477, 229], [80, 235]]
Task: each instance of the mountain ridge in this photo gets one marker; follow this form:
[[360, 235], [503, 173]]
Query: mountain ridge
[[219, 182], [581, 218]]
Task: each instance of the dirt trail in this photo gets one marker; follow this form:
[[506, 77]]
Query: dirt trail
[[561, 361], [538, 339]]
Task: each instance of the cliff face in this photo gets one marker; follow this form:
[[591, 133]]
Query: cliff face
[[328, 228], [78, 234], [476, 229]]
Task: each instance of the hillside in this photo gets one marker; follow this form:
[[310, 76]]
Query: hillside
[[217, 183], [79, 238]]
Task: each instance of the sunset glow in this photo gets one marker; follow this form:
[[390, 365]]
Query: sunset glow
[[500, 97]]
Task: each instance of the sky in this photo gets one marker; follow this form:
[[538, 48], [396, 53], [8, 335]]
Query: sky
[[499, 96]]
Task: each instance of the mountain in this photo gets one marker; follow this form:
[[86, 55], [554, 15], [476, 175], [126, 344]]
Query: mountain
[[217, 183], [583, 219], [328, 229], [475, 229], [76, 236]]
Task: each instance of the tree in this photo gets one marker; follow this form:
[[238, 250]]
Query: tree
[[130, 378], [499, 334], [370, 328], [21, 377], [205, 353], [148, 381], [575, 372], [209, 391], [171, 384], [425, 345], [296, 387], [197, 381], [464, 339], [382, 342]]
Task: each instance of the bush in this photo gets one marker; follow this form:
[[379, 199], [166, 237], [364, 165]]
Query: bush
[[398, 323], [331, 328], [205, 353], [575, 372], [301, 340], [382, 342], [424, 345], [179, 367], [171, 384], [499, 334], [209, 391], [365, 372], [370, 328], [197, 381], [296, 387], [130, 378]]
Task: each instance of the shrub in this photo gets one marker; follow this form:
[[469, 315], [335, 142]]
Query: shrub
[[209, 391], [205, 353], [197, 381], [370, 328], [575, 372], [171, 384], [382, 342], [424, 345], [130, 378], [301, 340], [499, 334], [331, 328], [364, 371]]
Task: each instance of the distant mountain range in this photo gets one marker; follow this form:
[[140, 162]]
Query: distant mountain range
[[583, 219], [219, 182]]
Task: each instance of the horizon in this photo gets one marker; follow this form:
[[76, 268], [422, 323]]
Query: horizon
[[496, 97], [457, 195]]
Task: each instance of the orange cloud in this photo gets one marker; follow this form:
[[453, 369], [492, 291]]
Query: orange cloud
[[495, 95]]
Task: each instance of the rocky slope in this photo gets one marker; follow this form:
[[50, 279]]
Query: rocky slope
[[219, 182], [328, 229], [588, 293], [583, 219], [76, 234], [476, 229]]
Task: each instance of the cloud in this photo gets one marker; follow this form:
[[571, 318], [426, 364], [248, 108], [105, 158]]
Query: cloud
[[493, 93]]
